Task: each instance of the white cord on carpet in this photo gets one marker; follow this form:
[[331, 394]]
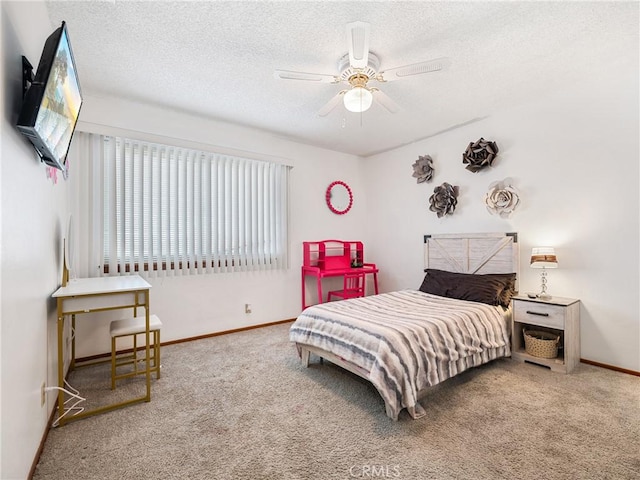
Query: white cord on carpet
[[74, 394]]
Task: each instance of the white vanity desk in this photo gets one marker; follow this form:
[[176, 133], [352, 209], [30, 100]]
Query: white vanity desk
[[87, 295]]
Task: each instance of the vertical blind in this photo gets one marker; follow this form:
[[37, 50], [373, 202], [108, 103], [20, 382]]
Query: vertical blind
[[172, 209]]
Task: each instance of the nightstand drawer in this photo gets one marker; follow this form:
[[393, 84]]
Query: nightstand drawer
[[542, 314]]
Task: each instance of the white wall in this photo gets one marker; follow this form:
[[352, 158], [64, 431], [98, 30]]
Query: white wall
[[574, 156], [34, 213]]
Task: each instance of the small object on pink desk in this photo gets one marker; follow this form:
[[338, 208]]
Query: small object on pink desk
[[333, 258]]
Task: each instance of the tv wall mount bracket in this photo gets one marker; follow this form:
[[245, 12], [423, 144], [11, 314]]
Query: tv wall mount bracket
[[27, 75]]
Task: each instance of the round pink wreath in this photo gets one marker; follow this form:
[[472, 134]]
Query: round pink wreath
[[328, 198]]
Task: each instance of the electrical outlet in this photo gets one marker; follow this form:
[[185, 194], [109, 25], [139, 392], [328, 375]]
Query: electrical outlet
[[43, 397], [247, 308]]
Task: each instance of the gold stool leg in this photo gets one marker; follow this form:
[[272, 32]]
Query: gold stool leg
[[156, 360], [135, 353]]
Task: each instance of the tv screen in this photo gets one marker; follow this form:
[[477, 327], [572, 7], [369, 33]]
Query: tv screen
[[52, 102]]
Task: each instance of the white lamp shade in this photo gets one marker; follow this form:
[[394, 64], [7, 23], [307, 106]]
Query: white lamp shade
[[543, 257], [358, 99]]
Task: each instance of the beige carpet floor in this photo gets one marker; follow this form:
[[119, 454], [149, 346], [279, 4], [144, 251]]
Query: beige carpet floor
[[240, 406]]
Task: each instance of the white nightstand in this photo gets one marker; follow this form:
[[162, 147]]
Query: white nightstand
[[558, 315]]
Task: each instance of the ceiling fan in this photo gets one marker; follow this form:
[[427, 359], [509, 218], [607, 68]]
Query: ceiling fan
[[359, 67]]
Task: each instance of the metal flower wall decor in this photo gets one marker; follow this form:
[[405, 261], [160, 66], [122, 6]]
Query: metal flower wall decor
[[423, 169], [444, 199], [502, 198], [479, 155]]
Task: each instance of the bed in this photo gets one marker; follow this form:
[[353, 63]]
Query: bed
[[406, 341]]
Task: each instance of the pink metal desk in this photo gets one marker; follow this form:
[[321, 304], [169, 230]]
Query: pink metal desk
[[333, 258]]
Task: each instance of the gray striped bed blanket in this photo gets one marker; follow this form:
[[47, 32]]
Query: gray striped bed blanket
[[407, 340]]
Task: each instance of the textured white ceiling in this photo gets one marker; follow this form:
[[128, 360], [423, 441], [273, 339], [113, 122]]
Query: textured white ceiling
[[217, 59]]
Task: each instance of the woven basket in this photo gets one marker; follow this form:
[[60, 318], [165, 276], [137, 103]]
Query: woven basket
[[541, 344]]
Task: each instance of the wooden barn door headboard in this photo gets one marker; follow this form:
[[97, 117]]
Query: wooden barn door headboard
[[473, 253]]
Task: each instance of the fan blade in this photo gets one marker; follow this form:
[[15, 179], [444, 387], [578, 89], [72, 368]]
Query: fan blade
[[331, 104], [384, 100], [358, 39], [415, 69], [309, 77]]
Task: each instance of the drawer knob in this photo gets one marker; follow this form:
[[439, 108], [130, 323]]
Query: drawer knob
[[537, 313]]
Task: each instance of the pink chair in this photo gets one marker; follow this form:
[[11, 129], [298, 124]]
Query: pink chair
[[352, 286]]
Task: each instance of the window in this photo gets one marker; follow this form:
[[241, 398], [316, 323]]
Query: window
[[167, 208]]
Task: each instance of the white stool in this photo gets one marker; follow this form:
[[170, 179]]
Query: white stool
[[134, 327]]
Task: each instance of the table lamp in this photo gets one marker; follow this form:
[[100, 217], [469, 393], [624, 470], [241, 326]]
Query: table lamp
[[543, 257]]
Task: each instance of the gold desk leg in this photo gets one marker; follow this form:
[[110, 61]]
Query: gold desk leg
[[147, 348], [60, 362], [72, 364]]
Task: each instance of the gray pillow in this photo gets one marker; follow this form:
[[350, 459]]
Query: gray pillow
[[490, 288]]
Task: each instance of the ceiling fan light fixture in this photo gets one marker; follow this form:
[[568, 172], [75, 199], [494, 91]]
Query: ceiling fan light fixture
[[358, 99]]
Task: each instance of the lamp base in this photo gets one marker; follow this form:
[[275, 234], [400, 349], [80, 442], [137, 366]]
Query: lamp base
[[543, 295]]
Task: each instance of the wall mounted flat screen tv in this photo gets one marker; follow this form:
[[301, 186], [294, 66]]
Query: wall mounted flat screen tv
[[52, 102]]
